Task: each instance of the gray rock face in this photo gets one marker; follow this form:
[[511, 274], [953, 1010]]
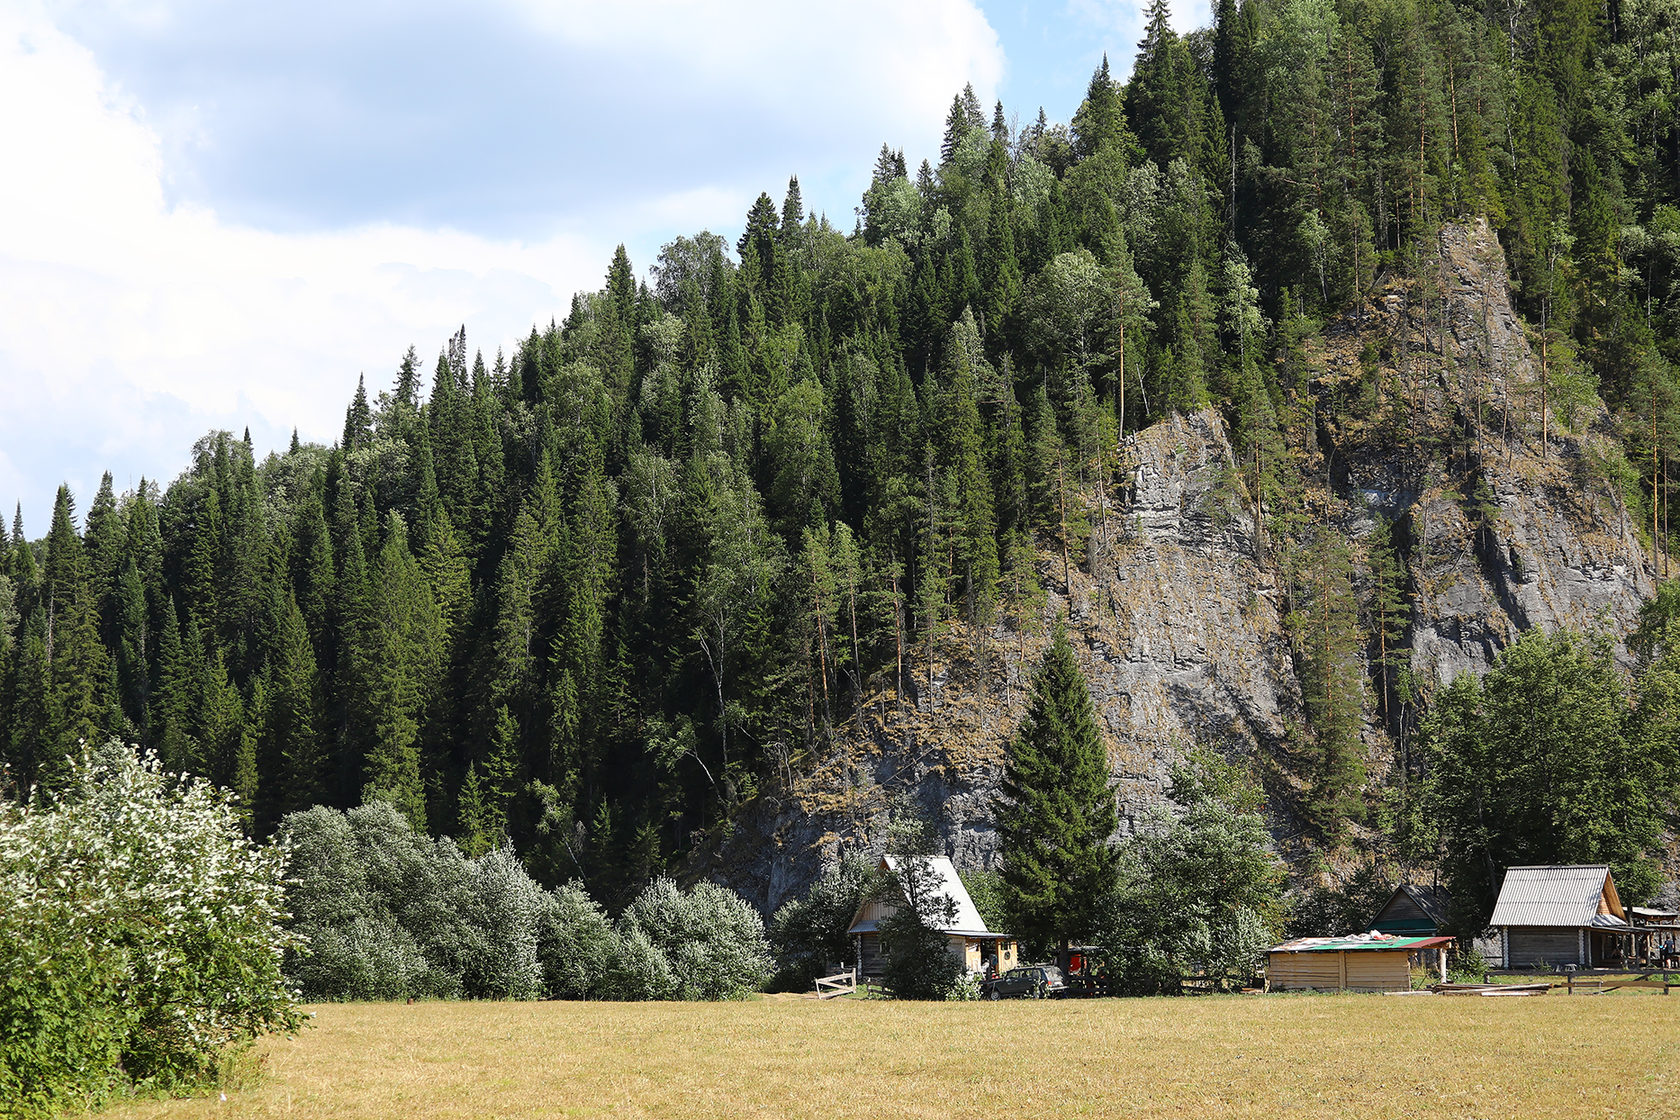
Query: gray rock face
[[1191, 648], [1178, 625], [1507, 531]]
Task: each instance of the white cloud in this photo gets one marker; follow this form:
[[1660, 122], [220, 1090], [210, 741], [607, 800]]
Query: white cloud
[[131, 323], [128, 327], [1126, 18], [865, 58]]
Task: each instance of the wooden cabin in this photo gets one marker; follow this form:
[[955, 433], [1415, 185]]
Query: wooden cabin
[[1554, 915], [1413, 911], [1365, 962], [966, 935], [1656, 940]]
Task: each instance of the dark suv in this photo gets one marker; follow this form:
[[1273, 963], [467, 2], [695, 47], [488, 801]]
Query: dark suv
[[1035, 981]]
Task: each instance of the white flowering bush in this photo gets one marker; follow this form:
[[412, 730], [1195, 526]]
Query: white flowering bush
[[141, 935]]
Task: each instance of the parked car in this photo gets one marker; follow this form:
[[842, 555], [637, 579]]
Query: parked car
[[1034, 981]]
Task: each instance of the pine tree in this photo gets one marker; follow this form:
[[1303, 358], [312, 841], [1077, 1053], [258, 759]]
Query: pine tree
[[27, 691], [1100, 122], [103, 541], [1058, 815], [1388, 611]]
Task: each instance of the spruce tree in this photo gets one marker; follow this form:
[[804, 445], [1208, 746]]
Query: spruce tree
[[78, 692], [294, 719], [398, 664], [1057, 815]]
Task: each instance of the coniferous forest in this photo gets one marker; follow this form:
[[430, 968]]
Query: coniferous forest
[[598, 589]]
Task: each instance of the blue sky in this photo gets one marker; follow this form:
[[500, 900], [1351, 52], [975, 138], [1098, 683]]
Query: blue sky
[[219, 214]]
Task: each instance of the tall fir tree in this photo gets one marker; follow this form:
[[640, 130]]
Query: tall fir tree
[[1057, 819]]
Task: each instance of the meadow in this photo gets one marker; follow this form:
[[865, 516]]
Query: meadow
[[1272, 1056]]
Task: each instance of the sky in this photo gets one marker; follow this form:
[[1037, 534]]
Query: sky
[[219, 215]]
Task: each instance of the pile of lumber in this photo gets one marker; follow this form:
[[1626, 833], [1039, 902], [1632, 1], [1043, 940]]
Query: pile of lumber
[[1490, 989]]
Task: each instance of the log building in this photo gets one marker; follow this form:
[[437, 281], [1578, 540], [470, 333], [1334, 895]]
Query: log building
[[1554, 915]]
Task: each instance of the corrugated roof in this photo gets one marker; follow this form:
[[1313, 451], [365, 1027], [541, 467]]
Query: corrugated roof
[[1358, 942], [1561, 895], [950, 885]]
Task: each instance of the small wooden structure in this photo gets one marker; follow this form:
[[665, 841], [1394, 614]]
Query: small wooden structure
[[966, 935], [1364, 962], [1657, 935], [840, 984], [1414, 911], [1555, 915]]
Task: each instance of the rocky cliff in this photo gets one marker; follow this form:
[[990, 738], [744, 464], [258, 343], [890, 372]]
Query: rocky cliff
[[1178, 616]]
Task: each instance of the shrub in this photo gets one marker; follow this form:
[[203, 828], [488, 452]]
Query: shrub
[[809, 934], [352, 947], [424, 886], [638, 970], [504, 912], [713, 939], [388, 913], [575, 944], [343, 868], [728, 956], [1467, 966], [140, 935], [62, 1025]]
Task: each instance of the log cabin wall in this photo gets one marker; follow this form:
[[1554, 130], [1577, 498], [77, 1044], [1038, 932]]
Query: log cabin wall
[[1551, 948]]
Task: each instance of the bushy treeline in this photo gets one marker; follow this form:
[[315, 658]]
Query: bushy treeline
[[1555, 756], [597, 590], [383, 912], [141, 936], [1199, 890]]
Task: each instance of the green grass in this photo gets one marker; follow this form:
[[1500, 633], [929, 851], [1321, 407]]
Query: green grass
[[1256, 1056]]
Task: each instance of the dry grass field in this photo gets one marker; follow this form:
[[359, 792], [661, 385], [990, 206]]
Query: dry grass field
[[1275, 1056]]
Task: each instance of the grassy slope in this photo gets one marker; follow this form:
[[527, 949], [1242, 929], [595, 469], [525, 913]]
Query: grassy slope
[[1228, 1056]]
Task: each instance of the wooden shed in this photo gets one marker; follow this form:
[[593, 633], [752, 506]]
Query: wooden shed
[[1552, 915], [1365, 962], [966, 935], [1413, 910]]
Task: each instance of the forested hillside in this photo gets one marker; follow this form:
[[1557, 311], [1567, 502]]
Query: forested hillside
[[611, 590]]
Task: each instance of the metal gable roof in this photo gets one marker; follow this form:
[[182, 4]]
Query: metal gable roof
[[967, 920], [1555, 895]]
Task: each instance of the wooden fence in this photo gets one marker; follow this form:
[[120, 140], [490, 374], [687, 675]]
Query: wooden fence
[[1598, 985], [840, 984]]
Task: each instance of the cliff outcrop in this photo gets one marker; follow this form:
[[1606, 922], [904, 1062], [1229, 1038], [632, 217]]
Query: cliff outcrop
[[1179, 617]]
